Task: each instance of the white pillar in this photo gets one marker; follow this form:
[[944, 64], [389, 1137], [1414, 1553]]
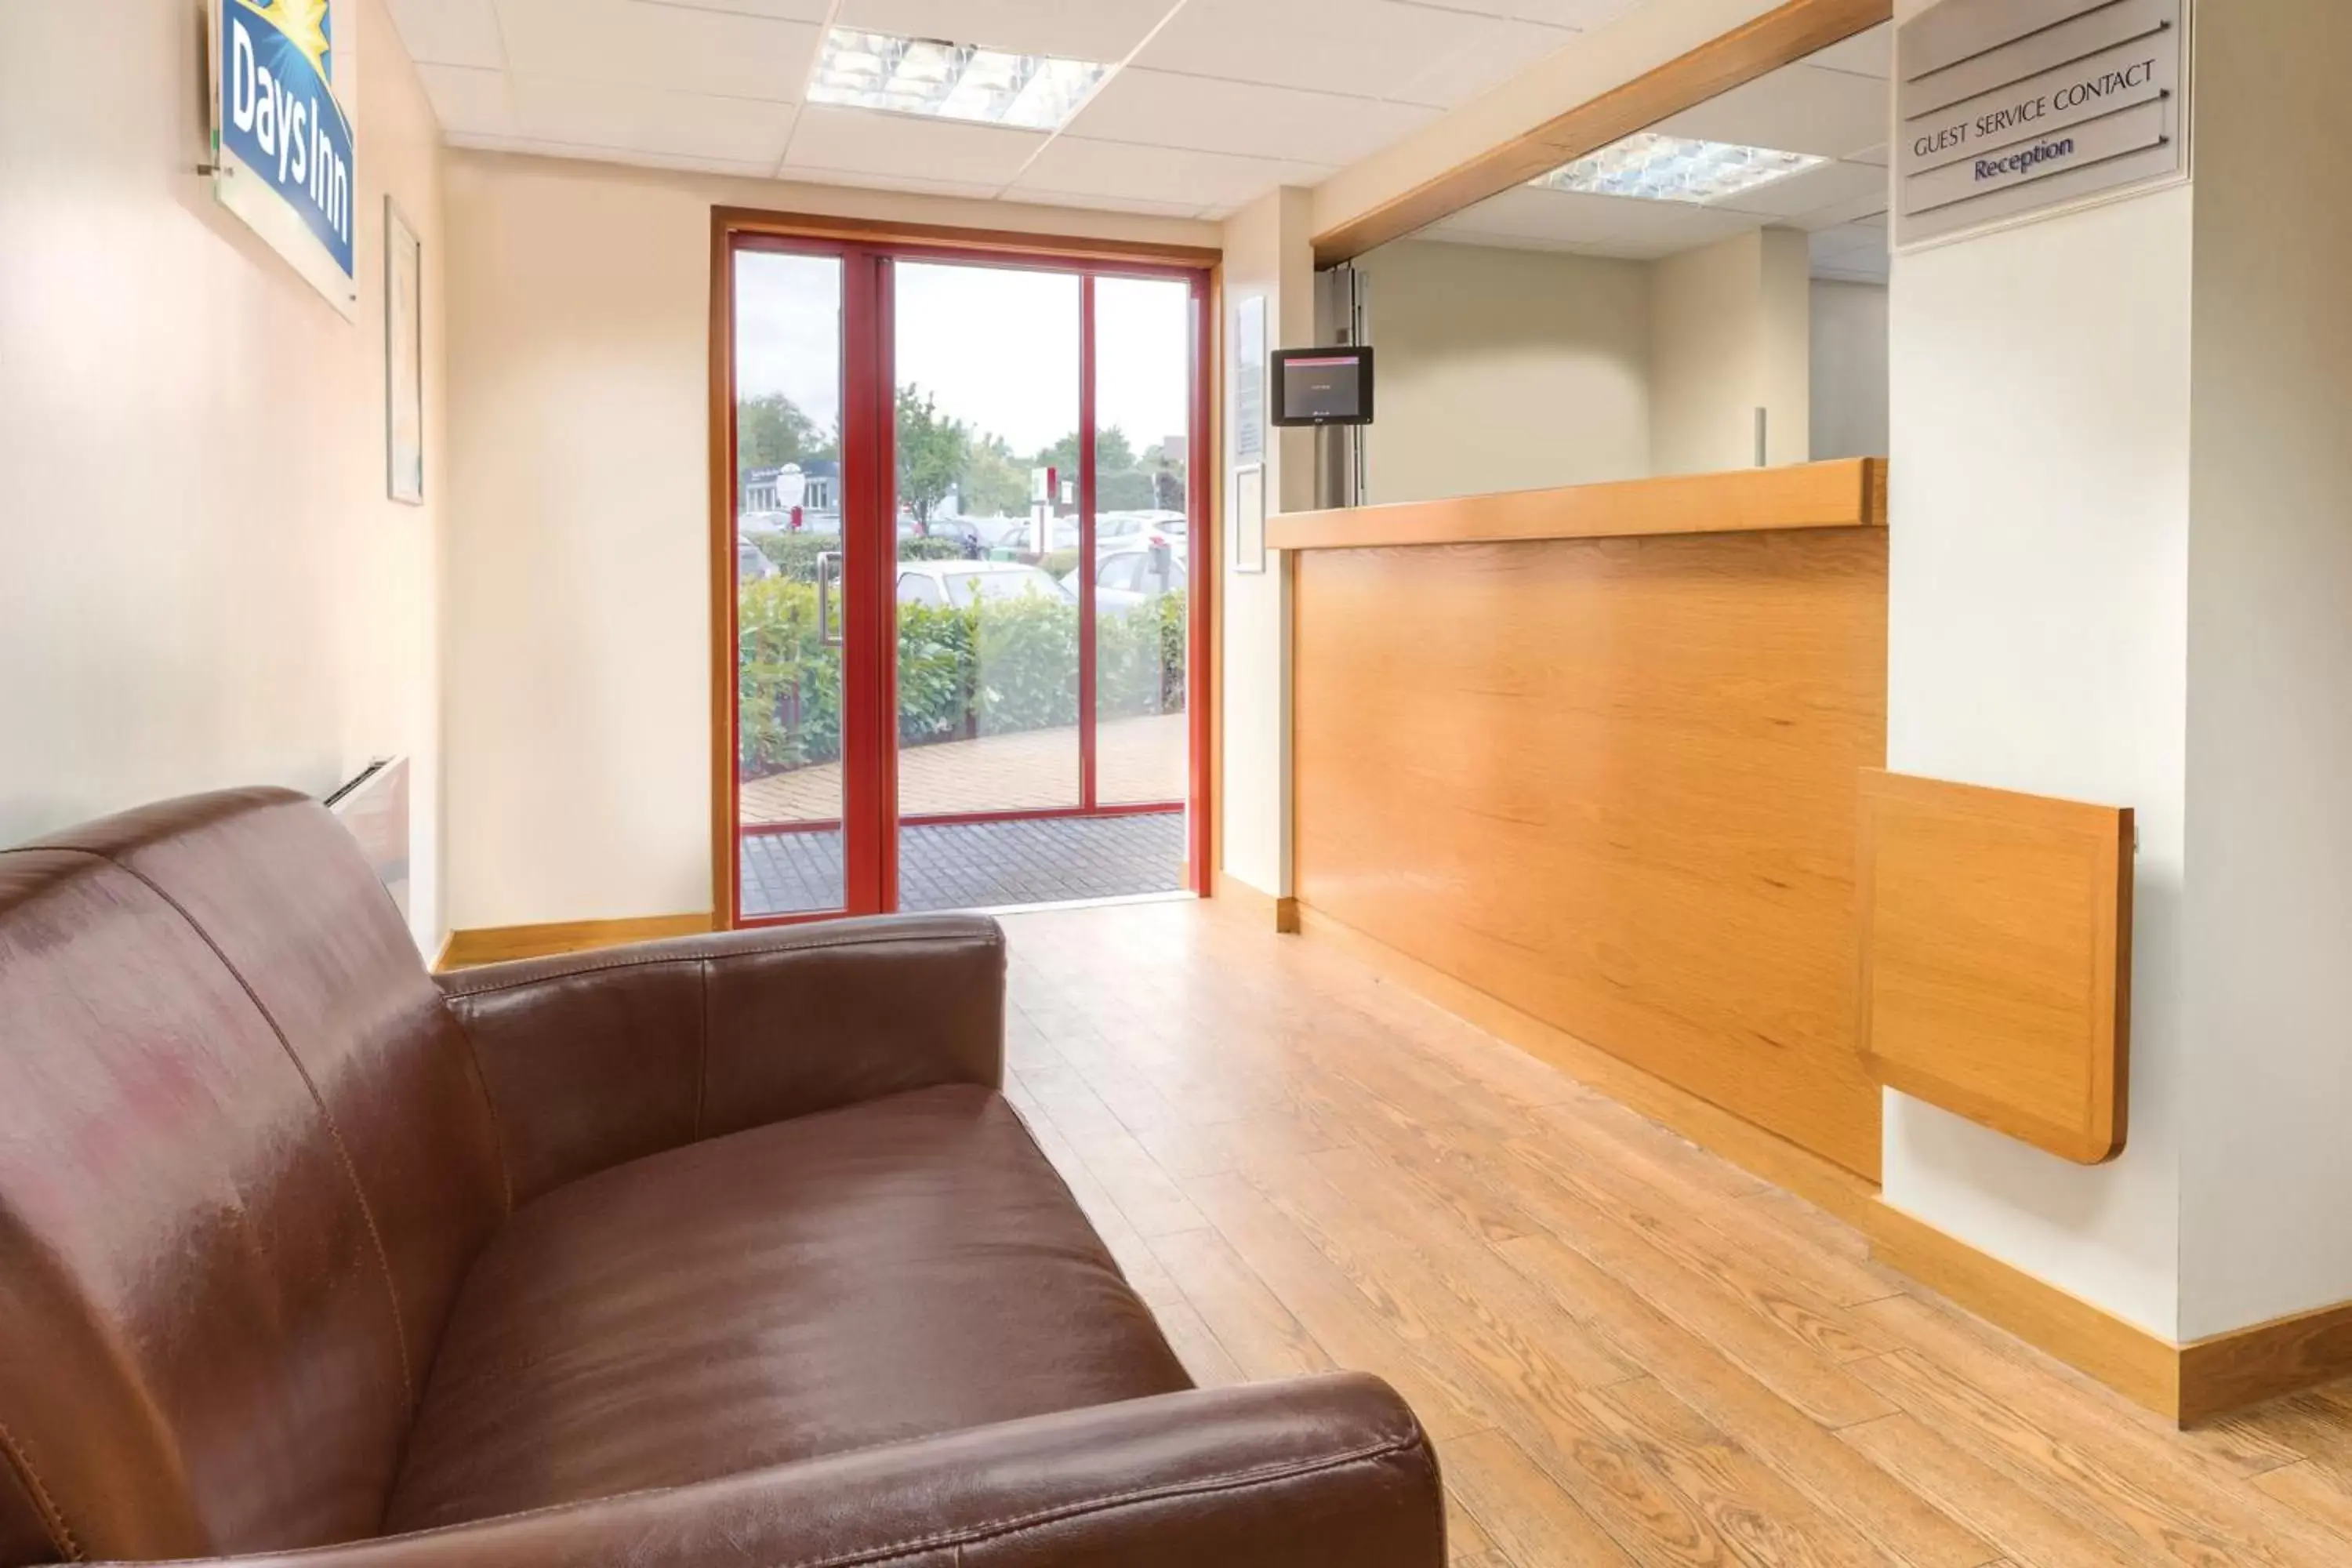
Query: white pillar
[[1269, 254], [2122, 571]]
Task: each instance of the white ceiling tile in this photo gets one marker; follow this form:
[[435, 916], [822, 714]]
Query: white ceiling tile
[[1570, 217], [683, 49], [1500, 51], [1861, 208], [470, 102], [1582, 14], [1497, 241], [913, 182], [1797, 108], [449, 32], [781, 10], [1103, 203], [1105, 30], [1867, 53], [1667, 227], [1830, 184], [649, 120], [1845, 239], [861, 141], [610, 155], [1156, 109], [1369, 48], [1074, 165]]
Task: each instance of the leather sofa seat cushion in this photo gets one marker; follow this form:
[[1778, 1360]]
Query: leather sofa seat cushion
[[903, 1267]]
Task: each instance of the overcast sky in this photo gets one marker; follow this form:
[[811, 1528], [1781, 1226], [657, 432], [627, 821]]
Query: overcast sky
[[998, 347]]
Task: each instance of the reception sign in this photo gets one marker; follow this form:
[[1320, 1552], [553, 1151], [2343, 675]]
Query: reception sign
[[283, 158], [2008, 109]]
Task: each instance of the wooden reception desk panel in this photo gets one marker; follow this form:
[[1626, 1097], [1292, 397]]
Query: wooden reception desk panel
[[1611, 781]]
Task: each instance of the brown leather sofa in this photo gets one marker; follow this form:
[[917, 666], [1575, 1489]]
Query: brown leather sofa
[[723, 1251]]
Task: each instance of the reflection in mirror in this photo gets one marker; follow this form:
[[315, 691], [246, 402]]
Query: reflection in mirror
[[1708, 294]]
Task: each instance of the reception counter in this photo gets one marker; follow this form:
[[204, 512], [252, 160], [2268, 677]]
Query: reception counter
[[1593, 753]]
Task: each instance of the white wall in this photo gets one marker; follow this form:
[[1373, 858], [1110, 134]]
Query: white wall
[[2266, 1177], [579, 621], [1504, 370], [202, 583], [1727, 335], [1848, 357], [1268, 254], [2037, 624]]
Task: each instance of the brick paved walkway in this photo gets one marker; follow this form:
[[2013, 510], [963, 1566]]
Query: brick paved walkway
[[1136, 760], [978, 865]]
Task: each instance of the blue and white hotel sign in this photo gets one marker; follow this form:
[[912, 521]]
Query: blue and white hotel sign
[[2010, 109], [282, 143]]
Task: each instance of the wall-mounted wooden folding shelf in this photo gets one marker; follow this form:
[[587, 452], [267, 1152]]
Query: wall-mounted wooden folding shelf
[[1996, 957]]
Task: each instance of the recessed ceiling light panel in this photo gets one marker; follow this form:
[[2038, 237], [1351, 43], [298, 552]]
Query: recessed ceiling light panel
[[1649, 167], [951, 82]]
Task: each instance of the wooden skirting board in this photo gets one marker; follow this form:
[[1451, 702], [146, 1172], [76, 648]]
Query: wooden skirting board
[[2188, 1384], [500, 944], [1264, 908]]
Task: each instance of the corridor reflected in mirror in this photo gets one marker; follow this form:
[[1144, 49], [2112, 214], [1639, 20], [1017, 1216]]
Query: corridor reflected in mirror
[[1706, 294]]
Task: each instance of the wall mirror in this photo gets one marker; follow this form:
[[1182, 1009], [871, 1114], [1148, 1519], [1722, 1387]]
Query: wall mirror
[[1706, 292]]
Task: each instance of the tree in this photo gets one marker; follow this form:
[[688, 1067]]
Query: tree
[[934, 449], [1120, 483], [994, 485], [770, 430]]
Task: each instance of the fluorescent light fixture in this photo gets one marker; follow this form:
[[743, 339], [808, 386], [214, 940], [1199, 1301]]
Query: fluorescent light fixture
[[1649, 167], [951, 82]]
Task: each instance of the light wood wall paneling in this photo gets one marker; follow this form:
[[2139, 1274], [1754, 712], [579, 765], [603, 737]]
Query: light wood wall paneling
[[1611, 782]]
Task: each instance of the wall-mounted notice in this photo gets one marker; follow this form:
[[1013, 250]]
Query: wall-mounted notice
[[2010, 109], [1249, 380], [283, 158]]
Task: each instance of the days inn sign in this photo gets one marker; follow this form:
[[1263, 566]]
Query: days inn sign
[[282, 140], [2009, 109]]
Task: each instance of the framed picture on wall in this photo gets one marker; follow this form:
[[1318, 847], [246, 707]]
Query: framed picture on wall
[[403, 357]]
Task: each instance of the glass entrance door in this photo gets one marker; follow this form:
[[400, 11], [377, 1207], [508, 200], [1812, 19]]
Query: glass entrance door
[[965, 653], [791, 621]]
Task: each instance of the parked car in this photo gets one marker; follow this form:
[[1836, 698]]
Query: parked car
[[1131, 575], [967, 583], [1117, 528]]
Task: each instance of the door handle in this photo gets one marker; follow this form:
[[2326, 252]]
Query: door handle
[[828, 573]]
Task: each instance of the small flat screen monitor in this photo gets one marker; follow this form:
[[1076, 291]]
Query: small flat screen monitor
[[1323, 386]]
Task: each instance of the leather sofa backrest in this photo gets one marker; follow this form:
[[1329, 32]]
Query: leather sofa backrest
[[244, 1165]]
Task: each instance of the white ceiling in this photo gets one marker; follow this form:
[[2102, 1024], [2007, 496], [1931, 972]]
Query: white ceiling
[[1217, 100], [1834, 104]]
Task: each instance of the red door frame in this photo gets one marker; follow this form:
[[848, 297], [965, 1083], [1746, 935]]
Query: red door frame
[[868, 586]]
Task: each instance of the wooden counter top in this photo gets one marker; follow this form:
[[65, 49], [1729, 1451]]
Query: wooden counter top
[[1850, 492]]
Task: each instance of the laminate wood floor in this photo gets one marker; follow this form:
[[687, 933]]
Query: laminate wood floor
[[1626, 1350]]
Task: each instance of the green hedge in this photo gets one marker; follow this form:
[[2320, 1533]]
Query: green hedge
[[995, 667], [795, 553]]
